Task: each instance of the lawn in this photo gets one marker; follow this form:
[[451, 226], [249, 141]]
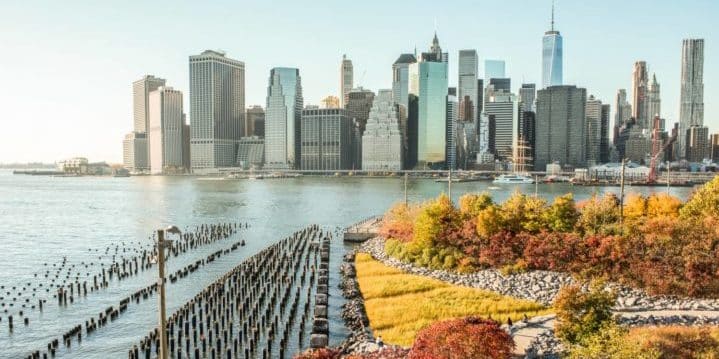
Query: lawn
[[399, 305]]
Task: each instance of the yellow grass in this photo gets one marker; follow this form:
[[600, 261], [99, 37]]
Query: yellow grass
[[399, 305]]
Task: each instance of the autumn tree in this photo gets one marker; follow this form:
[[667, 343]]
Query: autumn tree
[[581, 314], [398, 222], [469, 337], [663, 204], [599, 215], [562, 215], [703, 203], [470, 205]]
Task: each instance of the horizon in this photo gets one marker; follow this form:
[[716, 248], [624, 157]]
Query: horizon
[[87, 59]]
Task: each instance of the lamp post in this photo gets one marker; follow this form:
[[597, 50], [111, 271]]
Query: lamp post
[[161, 245]]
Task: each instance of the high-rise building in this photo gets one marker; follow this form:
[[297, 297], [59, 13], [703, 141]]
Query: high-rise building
[[714, 148], [429, 78], [186, 156], [451, 129], [250, 152], [134, 152], [691, 112], [640, 83], [326, 139], [331, 102], [494, 69], [604, 148], [255, 121], [282, 118], [358, 105], [654, 101], [140, 98], [527, 136], [400, 79], [622, 113], [412, 134], [346, 80], [697, 138], [593, 131], [467, 86], [527, 96], [552, 57], [217, 110], [502, 110], [382, 147], [560, 127], [166, 130]]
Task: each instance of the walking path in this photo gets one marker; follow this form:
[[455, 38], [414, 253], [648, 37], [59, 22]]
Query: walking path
[[525, 333]]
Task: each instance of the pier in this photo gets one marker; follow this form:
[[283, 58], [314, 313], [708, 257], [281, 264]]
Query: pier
[[363, 230]]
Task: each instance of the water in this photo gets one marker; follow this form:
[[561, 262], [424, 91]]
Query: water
[[43, 219]]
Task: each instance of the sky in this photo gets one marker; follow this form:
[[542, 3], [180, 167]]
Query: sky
[[67, 67]]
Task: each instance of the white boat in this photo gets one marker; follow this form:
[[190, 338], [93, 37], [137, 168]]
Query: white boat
[[513, 178]]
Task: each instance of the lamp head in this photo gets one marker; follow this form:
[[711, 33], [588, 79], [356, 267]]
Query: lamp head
[[173, 230]]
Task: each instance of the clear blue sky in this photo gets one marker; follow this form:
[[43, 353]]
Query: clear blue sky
[[66, 67]]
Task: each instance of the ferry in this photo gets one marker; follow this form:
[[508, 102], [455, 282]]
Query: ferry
[[515, 178]]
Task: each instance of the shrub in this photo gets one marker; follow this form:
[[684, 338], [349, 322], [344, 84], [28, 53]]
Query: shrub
[[469, 337], [471, 205], [398, 222], [635, 208], [553, 251], [678, 341], [322, 353], [703, 203], [663, 204], [582, 314], [562, 215], [611, 341], [599, 215], [384, 353], [501, 249]]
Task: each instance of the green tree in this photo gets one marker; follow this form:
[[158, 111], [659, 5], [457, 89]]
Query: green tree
[[581, 314], [472, 204], [562, 215], [703, 203]]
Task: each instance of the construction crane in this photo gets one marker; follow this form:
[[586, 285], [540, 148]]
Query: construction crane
[[657, 149]]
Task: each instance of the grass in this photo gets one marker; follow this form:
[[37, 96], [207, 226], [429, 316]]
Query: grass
[[678, 341], [399, 305]]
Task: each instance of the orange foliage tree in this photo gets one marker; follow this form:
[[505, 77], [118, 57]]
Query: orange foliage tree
[[469, 337]]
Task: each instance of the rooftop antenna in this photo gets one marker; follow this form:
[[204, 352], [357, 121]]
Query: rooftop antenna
[[552, 29]]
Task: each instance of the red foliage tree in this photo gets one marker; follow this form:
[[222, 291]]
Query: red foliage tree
[[553, 251], [503, 248], [469, 337]]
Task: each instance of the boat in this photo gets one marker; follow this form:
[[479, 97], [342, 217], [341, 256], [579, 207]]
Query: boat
[[513, 178]]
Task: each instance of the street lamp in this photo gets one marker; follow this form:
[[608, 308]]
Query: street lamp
[[161, 245]]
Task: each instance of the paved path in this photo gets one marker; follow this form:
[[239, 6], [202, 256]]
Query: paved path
[[524, 333]]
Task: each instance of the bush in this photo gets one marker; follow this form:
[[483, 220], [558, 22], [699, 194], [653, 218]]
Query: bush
[[580, 314], [678, 341], [470, 205], [599, 215], [398, 223], [703, 203], [562, 215], [553, 251], [469, 337], [611, 341], [323, 353]]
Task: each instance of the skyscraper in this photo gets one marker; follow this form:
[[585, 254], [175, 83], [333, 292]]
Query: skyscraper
[[502, 110], [654, 101], [697, 138], [593, 132], [358, 105], [134, 152], [400, 79], [467, 86], [382, 148], [451, 129], [140, 98], [622, 114], [552, 58], [604, 135], [691, 112], [640, 82], [560, 126], [217, 110], [431, 84], [527, 96], [326, 139], [166, 131], [255, 121], [494, 69], [282, 118], [346, 80]]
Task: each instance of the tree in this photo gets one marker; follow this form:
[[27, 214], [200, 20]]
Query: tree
[[470, 337], [703, 203], [471, 205], [599, 215], [581, 314], [663, 204], [398, 222], [635, 208], [562, 215]]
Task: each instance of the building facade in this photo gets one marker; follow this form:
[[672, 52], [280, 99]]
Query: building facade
[[382, 147], [326, 140], [468, 93], [282, 119], [560, 127], [691, 111], [251, 152], [166, 131], [432, 114], [622, 114], [502, 110], [134, 152], [593, 132], [140, 100], [697, 142], [640, 84], [255, 121], [358, 105], [451, 129], [654, 101], [217, 110], [346, 80]]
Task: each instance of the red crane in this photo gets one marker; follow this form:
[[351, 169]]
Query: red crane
[[657, 149]]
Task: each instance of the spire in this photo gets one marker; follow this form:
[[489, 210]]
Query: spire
[[552, 27]]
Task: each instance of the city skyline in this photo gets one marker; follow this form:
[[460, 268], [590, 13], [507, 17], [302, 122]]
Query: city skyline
[[74, 40]]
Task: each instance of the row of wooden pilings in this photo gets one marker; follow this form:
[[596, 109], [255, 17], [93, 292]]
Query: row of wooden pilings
[[112, 313], [253, 311]]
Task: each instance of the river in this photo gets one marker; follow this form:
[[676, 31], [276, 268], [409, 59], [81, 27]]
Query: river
[[45, 219]]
